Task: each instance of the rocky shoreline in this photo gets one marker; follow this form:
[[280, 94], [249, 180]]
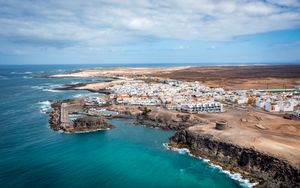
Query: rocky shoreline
[[80, 125], [252, 164], [256, 166]]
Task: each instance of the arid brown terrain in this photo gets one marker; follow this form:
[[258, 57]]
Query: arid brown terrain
[[228, 77], [241, 77]]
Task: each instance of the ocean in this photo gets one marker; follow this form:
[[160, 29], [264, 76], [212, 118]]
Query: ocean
[[33, 155]]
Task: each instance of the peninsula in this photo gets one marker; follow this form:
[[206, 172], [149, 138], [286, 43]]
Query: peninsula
[[243, 118]]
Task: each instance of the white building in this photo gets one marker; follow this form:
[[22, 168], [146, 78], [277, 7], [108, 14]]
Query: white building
[[95, 100], [242, 100], [271, 107], [297, 114], [260, 103], [286, 107], [196, 107]]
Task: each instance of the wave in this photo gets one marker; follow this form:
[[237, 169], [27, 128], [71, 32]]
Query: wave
[[53, 90], [37, 87], [90, 131], [3, 78], [74, 83], [82, 132], [49, 87], [27, 77], [235, 176], [27, 72], [45, 107]]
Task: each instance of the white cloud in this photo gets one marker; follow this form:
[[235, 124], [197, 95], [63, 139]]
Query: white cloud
[[142, 24], [93, 23]]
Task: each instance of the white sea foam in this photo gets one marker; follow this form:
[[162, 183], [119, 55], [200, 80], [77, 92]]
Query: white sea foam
[[53, 90], [183, 151], [60, 131], [74, 83], [83, 132], [3, 78], [90, 131], [48, 87], [27, 77], [45, 106], [235, 176], [27, 72], [37, 87]]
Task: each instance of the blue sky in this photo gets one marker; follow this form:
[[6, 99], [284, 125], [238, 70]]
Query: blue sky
[[148, 31]]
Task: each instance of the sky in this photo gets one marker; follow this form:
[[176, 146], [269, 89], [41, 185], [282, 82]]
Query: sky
[[149, 31]]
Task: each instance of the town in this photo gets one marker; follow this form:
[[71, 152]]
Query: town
[[195, 97]]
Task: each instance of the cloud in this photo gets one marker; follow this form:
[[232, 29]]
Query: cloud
[[95, 23], [212, 47]]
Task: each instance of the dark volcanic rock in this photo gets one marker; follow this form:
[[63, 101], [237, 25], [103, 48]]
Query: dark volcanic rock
[[272, 171], [54, 116], [167, 121], [82, 124], [87, 123]]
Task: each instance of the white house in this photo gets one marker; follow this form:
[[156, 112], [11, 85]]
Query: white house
[[196, 107], [260, 103], [271, 107], [242, 100], [286, 107], [297, 114]]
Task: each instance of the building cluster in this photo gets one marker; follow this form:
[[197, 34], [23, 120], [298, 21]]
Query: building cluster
[[95, 101], [279, 101], [194, 97], [176, 95], [102, 111]]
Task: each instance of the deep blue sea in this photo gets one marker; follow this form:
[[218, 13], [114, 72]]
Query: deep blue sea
[[32, 155]]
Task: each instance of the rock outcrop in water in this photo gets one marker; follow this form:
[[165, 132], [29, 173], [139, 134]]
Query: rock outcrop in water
[[272, 172], [84, 123]]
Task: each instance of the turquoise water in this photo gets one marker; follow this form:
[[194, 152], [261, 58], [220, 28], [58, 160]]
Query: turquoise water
[[32, 155]]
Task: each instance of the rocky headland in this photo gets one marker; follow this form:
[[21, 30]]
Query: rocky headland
[[270, 171], [168, 120]]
